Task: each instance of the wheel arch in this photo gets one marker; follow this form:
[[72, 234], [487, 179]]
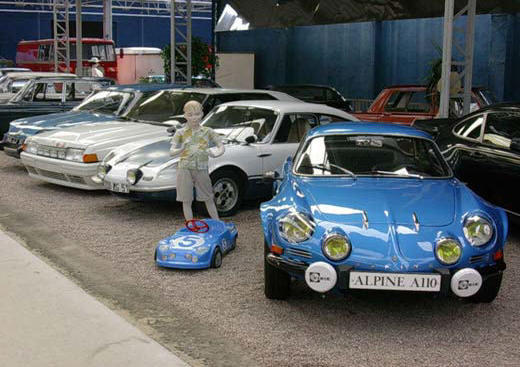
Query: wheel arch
[[240, 172]]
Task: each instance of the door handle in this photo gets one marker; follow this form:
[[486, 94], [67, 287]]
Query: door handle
[[263, 155]]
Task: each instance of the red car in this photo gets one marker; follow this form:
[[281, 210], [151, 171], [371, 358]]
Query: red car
[[404, 104]]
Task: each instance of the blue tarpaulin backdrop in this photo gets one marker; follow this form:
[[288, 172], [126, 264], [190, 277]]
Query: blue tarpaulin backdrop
[[359, 59]]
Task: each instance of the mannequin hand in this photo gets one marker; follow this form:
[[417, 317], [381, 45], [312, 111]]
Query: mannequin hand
[[216, 151]]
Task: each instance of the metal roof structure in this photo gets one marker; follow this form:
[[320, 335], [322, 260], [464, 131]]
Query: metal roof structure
[[289, 13]]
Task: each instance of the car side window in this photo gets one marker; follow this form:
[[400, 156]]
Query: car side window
[[397, 102], [48, 92], [294, 127], [78, 91], [502, 129], [470, 128], [418, 103]]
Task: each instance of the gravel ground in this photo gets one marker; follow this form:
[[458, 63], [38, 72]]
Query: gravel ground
[[221, 317]]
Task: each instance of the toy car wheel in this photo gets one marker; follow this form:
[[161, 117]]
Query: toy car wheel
[[489, 290], [228, 189], [155, 255], [277, 283], [216, 260]]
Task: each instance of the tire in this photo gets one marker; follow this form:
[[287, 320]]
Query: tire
[[216, 259], [155, 255], [277, 283], [489, 290], [228, 187]]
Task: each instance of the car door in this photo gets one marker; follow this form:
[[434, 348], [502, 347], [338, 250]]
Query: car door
[[287, 137], [499, 157]]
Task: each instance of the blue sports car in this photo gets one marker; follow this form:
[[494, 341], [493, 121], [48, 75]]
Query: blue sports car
[[199, 245], [369, 206]]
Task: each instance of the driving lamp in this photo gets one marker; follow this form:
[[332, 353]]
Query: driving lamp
[[103, 170], [133, 176], [296, 227], [448, 251], [477, 230], [336, 247]]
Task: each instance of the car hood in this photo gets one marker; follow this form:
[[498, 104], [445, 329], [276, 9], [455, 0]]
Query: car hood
[[154, 154], [382, 200], [99, 133], [36, 124]]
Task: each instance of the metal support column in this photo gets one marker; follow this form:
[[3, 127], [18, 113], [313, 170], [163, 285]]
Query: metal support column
[[61, 36], [79, 37], [466, 54], [180, 52], [107, 19]]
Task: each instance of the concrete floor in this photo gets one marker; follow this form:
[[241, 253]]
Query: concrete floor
[[221, 317]]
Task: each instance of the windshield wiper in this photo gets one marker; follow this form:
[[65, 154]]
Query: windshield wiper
[[390, 173], [325, 168]]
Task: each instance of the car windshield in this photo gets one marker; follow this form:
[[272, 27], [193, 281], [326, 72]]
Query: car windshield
[[108, 102], [371, 155], [239, 122], [162, 105]]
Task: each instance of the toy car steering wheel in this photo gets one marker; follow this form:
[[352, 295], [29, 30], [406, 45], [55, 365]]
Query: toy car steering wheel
[[197, 226]]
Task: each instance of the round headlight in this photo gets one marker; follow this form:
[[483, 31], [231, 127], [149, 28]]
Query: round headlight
[[477, 230], [133, 175], [336, 247], [448, 251], [102, 170], [296, 227]]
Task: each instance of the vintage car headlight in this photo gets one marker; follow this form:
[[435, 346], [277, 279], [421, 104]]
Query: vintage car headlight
[[75, 155], [477, 230], [31, 147], [336, 247], [296, 227], [103, 170], [133, 176], [448, 251]]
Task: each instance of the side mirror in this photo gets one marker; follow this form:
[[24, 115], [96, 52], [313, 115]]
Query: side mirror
[[250, 139], [171, 130]]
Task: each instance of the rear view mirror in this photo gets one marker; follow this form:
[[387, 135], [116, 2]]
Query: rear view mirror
[[250, 139], [171, 130]]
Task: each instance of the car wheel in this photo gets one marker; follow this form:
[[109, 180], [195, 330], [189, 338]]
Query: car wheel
[[228, 189], [155, 255], [216, 260], [489, 290], [277, 283]]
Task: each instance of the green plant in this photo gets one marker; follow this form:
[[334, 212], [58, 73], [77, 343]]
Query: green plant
[[203, 59]]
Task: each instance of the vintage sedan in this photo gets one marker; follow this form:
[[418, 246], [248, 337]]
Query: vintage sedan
[[71, 156], [483, 149], [258, 136], [12, 82], [103, 106], [44, 96], [372, 206]]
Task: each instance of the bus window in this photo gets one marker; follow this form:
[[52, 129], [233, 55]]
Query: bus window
[[44, 52]]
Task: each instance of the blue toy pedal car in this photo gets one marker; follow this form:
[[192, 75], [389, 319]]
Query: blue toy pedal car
[[199, 245]]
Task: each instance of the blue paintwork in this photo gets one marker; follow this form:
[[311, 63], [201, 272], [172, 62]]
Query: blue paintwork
[[221, 234], [391, 242]]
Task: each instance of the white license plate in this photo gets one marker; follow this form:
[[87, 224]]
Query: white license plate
[[119, 187], [395, 281]]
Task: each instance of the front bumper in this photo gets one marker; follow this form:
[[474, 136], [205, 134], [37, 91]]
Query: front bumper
[[62, 172], [298, 268], [12, 147]]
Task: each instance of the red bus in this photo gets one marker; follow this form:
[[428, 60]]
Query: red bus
[[38, 55]]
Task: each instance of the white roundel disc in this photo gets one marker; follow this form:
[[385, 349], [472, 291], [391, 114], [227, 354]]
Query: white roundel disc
[[466, 282], [321, 277]]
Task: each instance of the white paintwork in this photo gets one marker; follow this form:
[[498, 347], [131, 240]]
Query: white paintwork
[[321, 276], [241, 156], [101, 138]]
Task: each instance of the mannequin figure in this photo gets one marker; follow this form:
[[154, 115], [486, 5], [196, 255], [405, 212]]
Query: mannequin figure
[[192, 142]]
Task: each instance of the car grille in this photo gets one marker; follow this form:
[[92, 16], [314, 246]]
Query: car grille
[[51, 152], [298, 252], [477, 259], [55, 175]]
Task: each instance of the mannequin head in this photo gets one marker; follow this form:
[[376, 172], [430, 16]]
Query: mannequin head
[[193, 113]]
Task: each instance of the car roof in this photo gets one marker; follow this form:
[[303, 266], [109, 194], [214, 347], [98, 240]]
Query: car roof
[[367, 128], [145, 87], [39, 74], [280, 95], [290, 106]]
